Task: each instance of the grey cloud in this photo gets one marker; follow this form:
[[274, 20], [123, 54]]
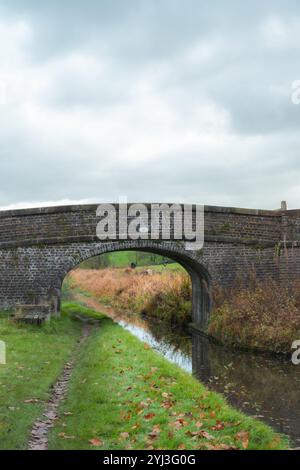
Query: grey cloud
[[145, 55]]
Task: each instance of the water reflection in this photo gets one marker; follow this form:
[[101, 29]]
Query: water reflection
[[168, 348], [264, 387]]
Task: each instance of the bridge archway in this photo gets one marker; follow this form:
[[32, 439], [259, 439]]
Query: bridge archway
[[199, 275]]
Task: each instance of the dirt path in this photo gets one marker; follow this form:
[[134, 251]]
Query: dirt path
[[39, 434], [97, 305]]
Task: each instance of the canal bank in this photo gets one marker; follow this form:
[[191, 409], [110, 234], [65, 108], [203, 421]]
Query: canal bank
[[124, 395], [262, 386]]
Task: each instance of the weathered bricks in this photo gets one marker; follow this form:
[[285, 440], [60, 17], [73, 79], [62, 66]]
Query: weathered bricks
[[38, 247]]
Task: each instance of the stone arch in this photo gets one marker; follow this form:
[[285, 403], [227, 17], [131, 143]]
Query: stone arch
[[200, 277]]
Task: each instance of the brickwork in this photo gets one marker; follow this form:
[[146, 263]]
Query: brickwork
[[38, 247]]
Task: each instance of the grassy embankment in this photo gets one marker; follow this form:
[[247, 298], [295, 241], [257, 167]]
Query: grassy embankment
[[125, 396], [35, 358], [121, 394], [263, 316]]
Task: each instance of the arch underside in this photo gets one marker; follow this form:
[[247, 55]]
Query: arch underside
[[199, 275]]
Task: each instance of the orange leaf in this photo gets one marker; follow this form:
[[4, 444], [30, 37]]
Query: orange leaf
[[219, 426], [149, 416], [96, 442]]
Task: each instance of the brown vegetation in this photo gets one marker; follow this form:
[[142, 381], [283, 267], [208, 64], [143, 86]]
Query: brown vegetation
[[161, 295], [262, 315]]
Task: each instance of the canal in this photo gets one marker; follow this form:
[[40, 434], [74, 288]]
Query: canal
[[267, 388]]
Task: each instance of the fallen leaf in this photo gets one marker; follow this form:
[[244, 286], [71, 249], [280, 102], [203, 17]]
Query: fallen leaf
[[167, 404], [143, 404], [179, 423], [192, 433], [243, 436], [149, 416], [219, 426], [96, 442], [136, 426], [155, 431], [206, 435]]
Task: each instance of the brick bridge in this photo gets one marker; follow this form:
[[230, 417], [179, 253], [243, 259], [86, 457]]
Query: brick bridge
[[38, 247]]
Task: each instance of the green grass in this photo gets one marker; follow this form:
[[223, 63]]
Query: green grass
[[123, 259], [35, 358], [120, 392], [72, 309], [163, 267], [127, 396]]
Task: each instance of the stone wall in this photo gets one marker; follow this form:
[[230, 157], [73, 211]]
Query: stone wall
[[30, 225]]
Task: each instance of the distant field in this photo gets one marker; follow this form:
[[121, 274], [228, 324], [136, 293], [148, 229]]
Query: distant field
[[162, 268], [123, 259]]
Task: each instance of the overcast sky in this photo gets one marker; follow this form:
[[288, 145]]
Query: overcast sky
[[156, 100]]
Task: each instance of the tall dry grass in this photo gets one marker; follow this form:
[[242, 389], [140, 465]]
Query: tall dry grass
[[164, 296], [263, 315]]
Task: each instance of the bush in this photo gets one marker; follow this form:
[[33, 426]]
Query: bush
[[173, 304], [263, 315]]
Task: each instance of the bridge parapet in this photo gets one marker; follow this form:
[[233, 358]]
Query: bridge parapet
[[71, 223]]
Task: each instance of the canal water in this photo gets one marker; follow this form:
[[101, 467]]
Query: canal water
[[264, 387]]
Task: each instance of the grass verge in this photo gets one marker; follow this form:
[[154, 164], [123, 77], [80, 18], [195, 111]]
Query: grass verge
[[35, 358], [125, 396]]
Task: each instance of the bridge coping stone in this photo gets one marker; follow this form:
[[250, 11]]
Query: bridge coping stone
[[88, 207]]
